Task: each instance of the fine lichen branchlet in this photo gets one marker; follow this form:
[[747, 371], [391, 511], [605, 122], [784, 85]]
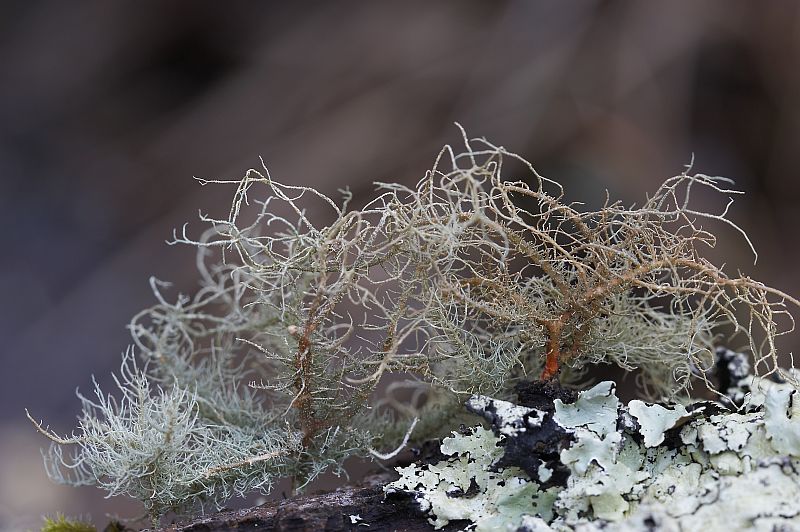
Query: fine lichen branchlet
[[467, 283]]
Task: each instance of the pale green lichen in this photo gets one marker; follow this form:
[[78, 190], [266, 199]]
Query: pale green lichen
[[655, 420], [595, 410], [720, 471], [782, 420], [464, 487]]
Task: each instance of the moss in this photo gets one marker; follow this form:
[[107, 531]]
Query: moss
[[61, 524]]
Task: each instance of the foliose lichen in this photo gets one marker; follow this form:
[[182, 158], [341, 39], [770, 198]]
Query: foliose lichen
[[638, 466]]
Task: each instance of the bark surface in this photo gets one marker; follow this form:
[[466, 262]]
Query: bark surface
[[363, 508]]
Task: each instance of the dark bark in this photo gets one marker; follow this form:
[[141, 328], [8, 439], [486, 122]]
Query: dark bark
[[322, 512]]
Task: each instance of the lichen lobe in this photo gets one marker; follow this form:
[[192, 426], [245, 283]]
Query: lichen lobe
[[638, 466]]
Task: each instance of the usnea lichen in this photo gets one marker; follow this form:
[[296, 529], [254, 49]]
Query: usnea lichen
[[467, 283]]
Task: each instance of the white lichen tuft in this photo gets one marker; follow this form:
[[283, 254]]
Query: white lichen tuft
[[701, 467]]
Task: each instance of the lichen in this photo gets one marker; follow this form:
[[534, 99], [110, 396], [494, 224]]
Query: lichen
[[464, 486], [469, 282], [654, 420], [510, 419], [638, 466]]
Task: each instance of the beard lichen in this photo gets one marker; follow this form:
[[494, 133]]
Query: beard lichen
[[466, 283]]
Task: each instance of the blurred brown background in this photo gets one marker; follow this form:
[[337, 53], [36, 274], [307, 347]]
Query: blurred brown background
[[107, 110]]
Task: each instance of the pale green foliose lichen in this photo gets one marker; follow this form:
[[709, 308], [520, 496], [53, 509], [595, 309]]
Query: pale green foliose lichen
[[655, 420], [447, 489], [630, 467]]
